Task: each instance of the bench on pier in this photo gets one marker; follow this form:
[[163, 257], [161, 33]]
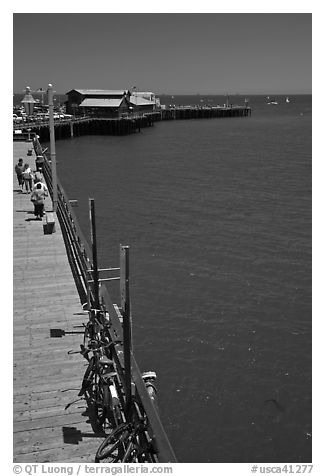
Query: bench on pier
[[48, 223]]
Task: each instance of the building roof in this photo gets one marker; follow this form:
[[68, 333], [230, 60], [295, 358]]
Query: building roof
[[94, 102], [141, 101], [100, 92], [145, 94]]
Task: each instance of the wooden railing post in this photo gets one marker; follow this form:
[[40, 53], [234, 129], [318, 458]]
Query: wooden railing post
[[127, 324], [94, 249]]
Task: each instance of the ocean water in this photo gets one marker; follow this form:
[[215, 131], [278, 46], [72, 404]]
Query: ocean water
[[217, 214]]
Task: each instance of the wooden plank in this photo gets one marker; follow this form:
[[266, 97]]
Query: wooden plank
[[35, 400], [48, 422], [48, 411], [55, 441], [57, 401]]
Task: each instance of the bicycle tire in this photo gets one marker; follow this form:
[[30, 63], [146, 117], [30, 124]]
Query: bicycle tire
[[112, 445], [101, 403]]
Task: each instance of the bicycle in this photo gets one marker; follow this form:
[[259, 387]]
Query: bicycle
[[128, 443], [99, 385], [95, 329]]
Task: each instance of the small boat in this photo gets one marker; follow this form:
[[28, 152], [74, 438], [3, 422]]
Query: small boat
[[287, 99], [271, 101]]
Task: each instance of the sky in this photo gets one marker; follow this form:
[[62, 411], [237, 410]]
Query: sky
[[167, 53]]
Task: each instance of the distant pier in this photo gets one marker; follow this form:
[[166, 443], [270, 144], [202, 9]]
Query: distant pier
[[80, 126], [190, 112]]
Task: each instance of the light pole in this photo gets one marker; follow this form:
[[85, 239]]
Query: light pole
[[52, 148], [28, 102], [135, 98]]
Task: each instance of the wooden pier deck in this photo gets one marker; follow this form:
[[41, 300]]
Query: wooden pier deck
[[45, 377]]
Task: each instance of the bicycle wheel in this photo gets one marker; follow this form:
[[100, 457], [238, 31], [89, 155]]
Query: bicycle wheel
[[102, 404], [112, 448]]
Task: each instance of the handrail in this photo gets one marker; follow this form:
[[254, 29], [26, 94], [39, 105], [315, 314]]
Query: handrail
[[79, 255]]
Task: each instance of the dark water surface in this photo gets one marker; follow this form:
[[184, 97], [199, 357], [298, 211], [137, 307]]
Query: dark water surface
[[217, 213]]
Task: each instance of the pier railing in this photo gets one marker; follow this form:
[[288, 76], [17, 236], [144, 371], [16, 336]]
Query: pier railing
[[80, 258]]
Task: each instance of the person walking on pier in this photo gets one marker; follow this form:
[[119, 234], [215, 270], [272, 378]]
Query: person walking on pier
[[19, 172], [28, 178], [38, 198], [38, 178]]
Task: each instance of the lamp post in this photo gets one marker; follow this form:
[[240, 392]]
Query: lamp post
[[42, 96], [135, 98], [28, 102], [52, 148]]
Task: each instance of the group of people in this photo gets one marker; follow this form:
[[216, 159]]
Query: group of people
[[25, 176], [33, 183]]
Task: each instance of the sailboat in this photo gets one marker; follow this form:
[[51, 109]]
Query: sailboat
[[287, 99], [271, 101]]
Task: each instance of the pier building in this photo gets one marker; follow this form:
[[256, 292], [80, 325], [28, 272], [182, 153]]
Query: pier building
[[98, 102], [107, 107], [144, 101], [141, 104], [109, 103]]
